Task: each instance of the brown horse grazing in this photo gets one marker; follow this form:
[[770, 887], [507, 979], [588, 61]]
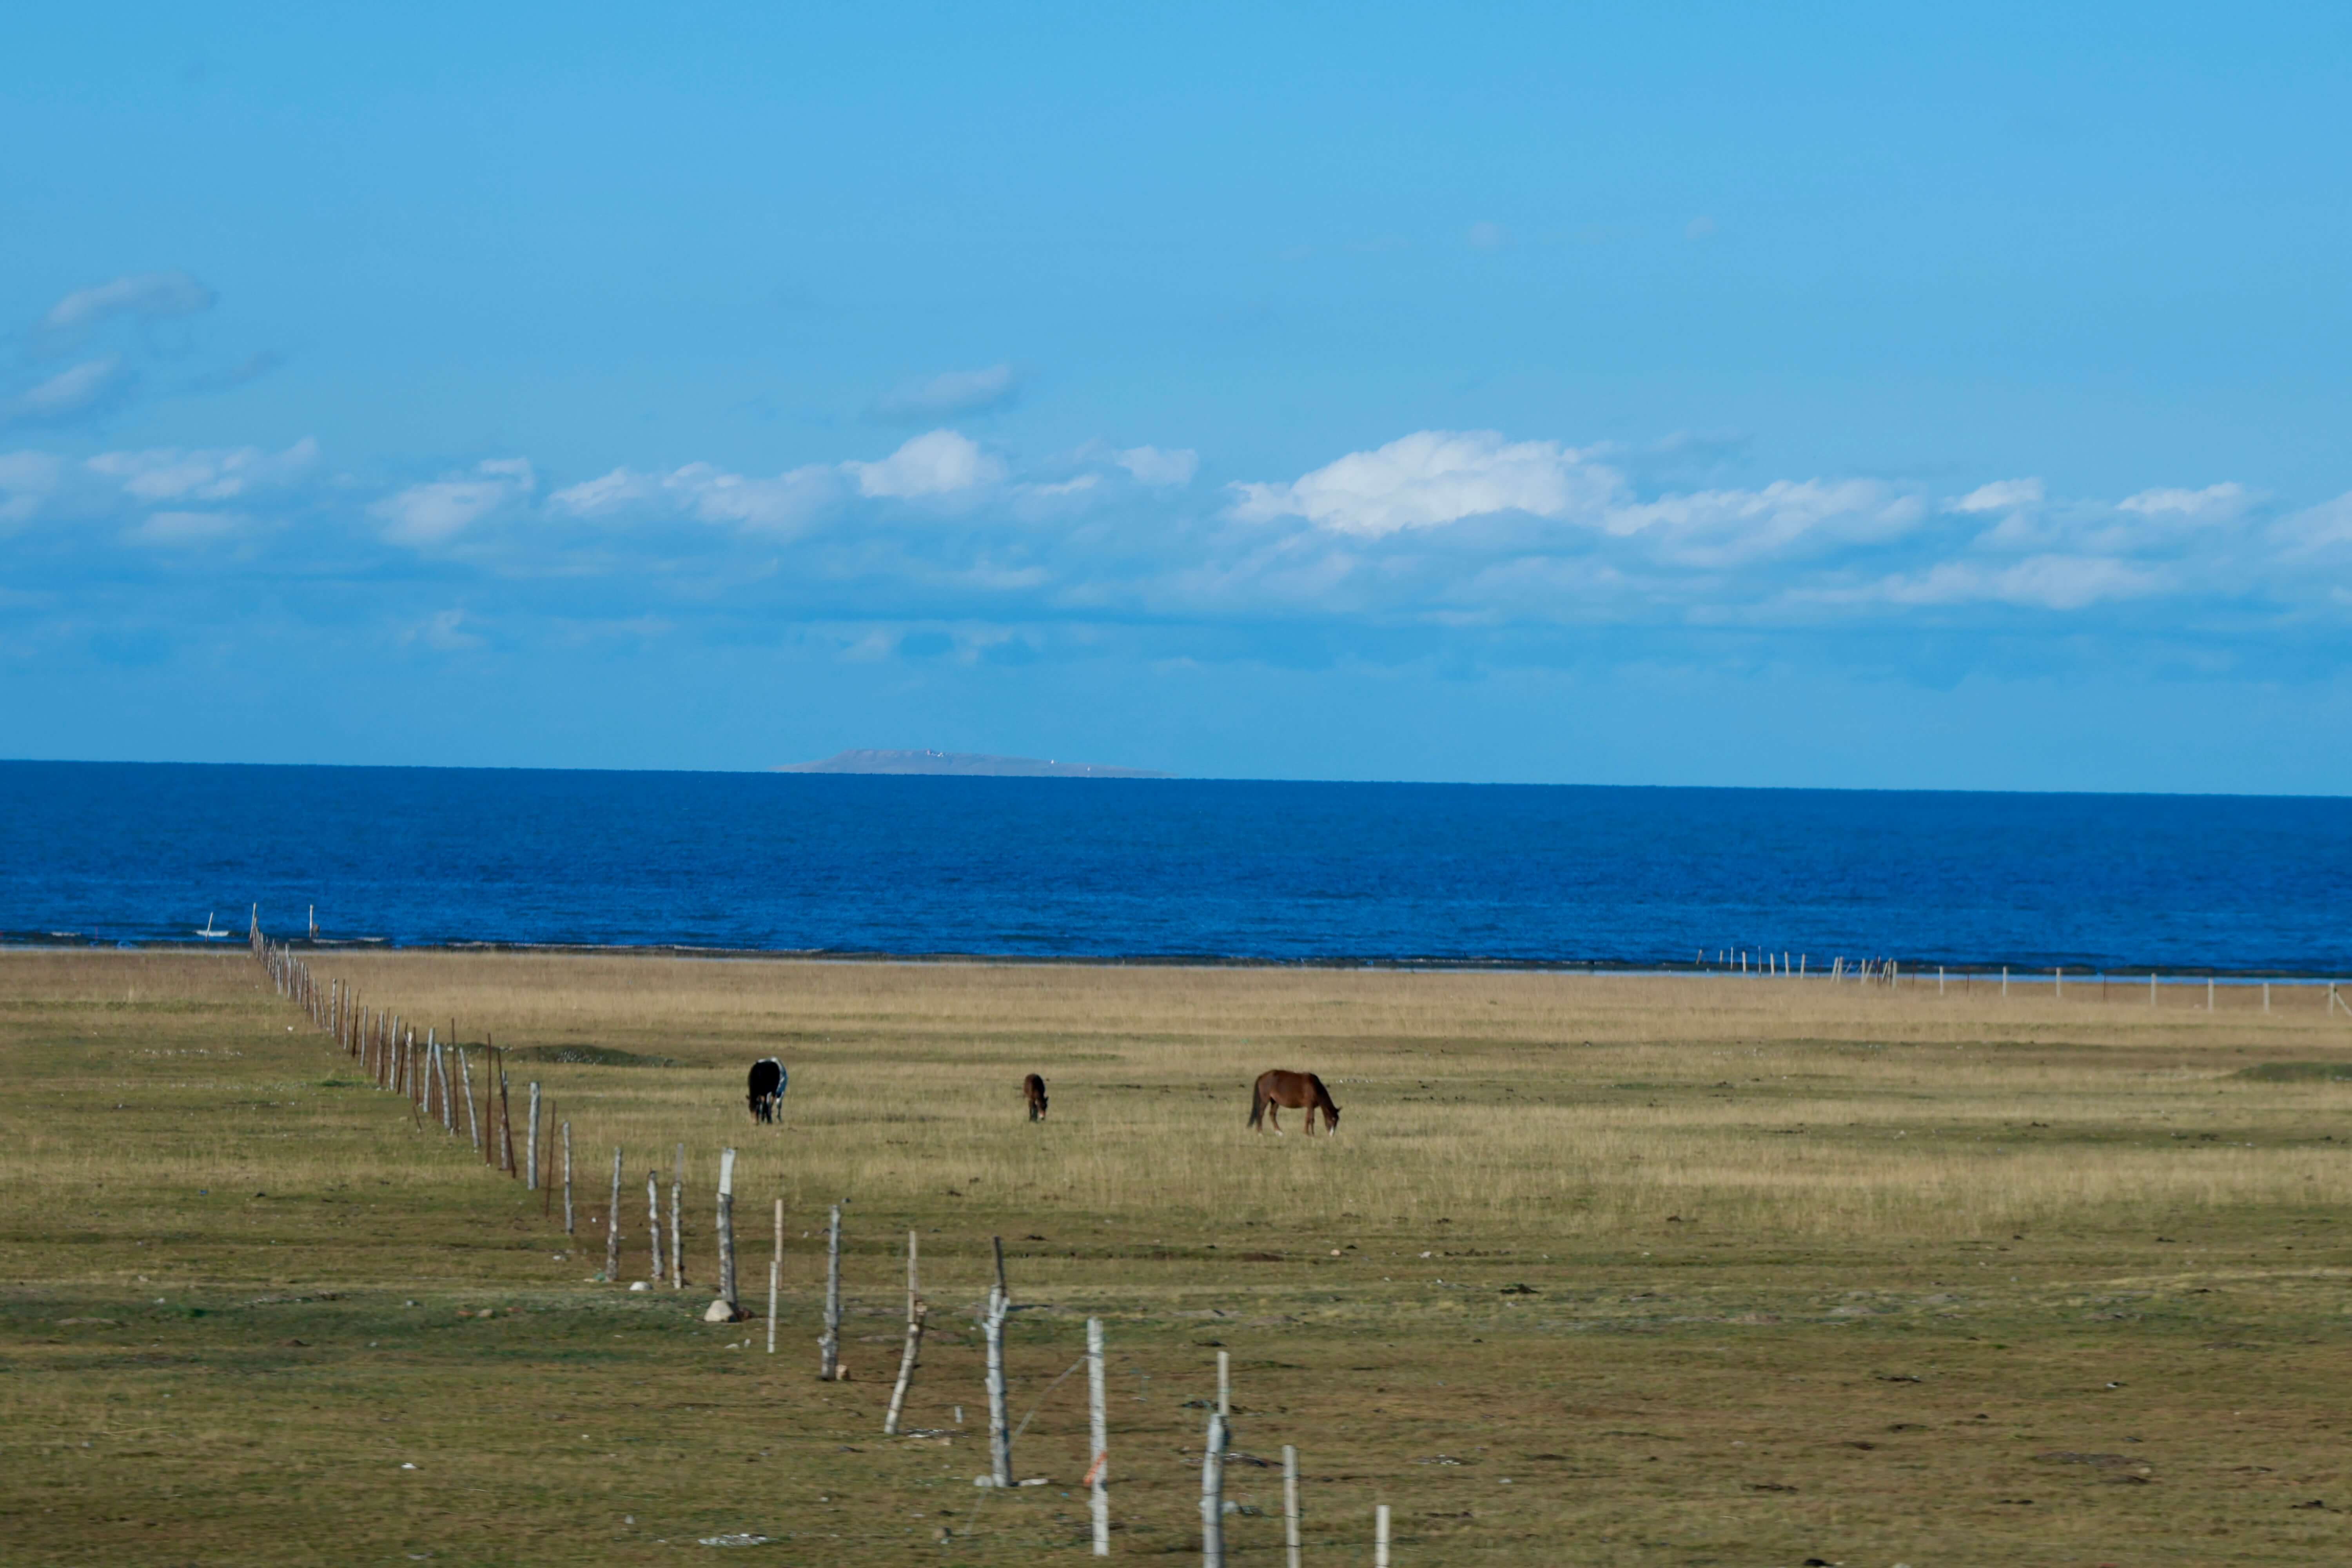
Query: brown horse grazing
[[1034, 1087], [1278, 1091]]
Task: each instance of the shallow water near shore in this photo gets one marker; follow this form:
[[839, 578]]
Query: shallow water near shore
[[1180, 867]]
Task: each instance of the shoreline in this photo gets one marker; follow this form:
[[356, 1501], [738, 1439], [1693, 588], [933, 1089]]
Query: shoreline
[[1912, 971]]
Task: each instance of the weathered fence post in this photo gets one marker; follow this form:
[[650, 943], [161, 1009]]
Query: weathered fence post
[[912, 1292], [775, 1286], [1098, 1438], [906, 1368], [531, 1145], [567, 1176], [465, 1077], [999, 1429], [1381, 1536], [677, 1222], [653, 1220], [1001, 1288], [1226, 1385], [1290, 1505], [2208, 994], [1212, 1495], [613, 1225], [727, 1230], [828, 1363]]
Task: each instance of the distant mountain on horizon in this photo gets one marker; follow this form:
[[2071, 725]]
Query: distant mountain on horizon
[[963, 764]]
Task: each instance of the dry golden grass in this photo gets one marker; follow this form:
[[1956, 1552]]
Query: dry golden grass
[[1737, 1208]]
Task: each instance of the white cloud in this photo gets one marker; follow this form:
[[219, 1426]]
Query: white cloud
[[2040, 582], [2325, 527], [939, 463], [151, 294], [27, 479], [2001, 495], [2214, 503], [784, 504], [1732, 527], [952, 392], [187, 528], [1429, 478], [169, 473], [86, 388], [1152, 466], [433, 513], [445, 631]]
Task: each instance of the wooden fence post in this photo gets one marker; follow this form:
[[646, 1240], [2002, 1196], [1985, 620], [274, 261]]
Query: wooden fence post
[[1000, 1428], [1290, 1506], [505, 1120], [1226, 1385], [912, 1292], [677, 1222], [727, 1230], [613, 1225], [465, 1077], [2208, 994], [775, 1285], [906, 1368], [1098, 1438], [829, 1347], [531, 1143], [1381, 1536], [1213, 1494], [653, 1220], [567, 1176]]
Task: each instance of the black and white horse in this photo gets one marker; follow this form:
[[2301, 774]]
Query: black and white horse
[[767, 1088]]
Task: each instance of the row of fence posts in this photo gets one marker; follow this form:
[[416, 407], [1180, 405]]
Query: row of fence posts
[[388, 1052], [1889, 971], [386, 1047]]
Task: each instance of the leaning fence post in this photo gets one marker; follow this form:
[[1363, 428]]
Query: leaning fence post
[[531, 1145], [1098, 1438], [727, 1229], [1212, 1495], [465, 1076], [912, 1291], [828, 1362], [1290, 1506], [906, 1368]]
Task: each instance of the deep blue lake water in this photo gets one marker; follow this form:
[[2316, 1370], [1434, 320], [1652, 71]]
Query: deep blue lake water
[[1156, 869]]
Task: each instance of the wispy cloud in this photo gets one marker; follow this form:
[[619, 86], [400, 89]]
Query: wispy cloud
[[151, 295], [951, 392], [90, 387], [437, 513]]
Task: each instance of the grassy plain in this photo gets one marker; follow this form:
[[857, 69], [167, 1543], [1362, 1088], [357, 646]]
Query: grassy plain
[[1602, 1271]]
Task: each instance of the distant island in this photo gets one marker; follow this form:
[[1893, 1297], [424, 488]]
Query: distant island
[[963, 764]]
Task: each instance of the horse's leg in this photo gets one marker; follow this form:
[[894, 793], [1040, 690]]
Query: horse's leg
[[1274, 1115]]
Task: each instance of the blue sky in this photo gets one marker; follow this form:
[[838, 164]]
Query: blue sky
[[1691, 394]]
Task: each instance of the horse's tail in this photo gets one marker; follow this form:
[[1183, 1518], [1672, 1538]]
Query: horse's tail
[[1257, 1106]]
